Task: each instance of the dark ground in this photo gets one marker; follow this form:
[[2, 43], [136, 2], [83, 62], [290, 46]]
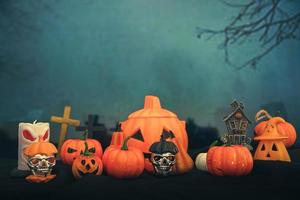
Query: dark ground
[[268, 180]]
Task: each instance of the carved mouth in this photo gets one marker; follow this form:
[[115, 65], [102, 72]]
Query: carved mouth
[[81, 173], [41, 171], [163, 170]]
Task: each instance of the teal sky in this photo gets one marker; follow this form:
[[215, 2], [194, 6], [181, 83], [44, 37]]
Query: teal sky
[[103, 57]]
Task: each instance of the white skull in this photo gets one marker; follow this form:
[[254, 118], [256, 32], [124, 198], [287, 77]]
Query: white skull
[[28, 134], [163, 163], [41, 165]]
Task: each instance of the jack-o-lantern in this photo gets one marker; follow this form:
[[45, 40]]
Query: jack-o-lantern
[[41, 160], [87, 163], [284, 128], [72, 148], [145, 127]]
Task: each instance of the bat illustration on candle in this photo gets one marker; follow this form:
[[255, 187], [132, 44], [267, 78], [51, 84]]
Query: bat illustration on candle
[[30, 133]]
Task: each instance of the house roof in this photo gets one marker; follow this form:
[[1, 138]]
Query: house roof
[[237, 107]]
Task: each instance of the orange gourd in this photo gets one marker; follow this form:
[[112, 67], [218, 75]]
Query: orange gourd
[[121, 161], [145, 127], [284, 128], [184, 163], [233, 160]]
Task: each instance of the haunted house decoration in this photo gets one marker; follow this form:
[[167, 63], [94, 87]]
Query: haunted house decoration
[[237, 123]]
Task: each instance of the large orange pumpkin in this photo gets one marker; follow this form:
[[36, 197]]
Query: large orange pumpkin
[[233, 160], [284, 128], [145, 127], [73, 148], [123, 161]]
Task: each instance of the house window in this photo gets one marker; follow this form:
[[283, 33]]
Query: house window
[[232, 125], [243, 125]]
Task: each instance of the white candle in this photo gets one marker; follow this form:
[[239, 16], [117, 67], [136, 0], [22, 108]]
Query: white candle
[[28, 134]]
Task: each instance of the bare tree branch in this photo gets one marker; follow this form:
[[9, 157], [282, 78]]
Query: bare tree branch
[[264, 18]]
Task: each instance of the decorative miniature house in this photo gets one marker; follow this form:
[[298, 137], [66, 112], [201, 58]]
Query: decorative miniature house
[[237, 123]]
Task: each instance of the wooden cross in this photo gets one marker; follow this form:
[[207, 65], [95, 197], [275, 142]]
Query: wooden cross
[[64, 121]]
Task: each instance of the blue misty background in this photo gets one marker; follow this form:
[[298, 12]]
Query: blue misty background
[[102, 57]]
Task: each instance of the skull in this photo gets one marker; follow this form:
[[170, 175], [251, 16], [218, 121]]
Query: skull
[[163, 163], [41, 165]]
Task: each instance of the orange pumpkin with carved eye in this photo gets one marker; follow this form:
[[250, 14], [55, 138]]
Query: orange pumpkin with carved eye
[[73, 148], [284, 128], [146, 125]]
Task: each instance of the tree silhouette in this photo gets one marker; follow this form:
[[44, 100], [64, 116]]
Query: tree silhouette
[[200, 137], [266, 19]]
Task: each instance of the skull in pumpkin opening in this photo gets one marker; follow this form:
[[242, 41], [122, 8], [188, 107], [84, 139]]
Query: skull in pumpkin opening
[[41, 165], [163, 155]]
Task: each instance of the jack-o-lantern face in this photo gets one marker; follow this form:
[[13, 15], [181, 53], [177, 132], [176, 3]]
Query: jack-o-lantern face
[[72, 148], [86, 163], [145, 127], [29, 134]]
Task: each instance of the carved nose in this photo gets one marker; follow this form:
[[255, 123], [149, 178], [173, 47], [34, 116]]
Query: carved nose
[[87, 167], [44, 164], [165, 161]]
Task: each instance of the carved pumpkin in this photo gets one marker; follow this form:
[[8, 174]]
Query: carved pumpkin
[[233, 160], [87, 163], [41, 160], [73, 148], [145, 127], [284, 128], [270, 146], [123, 161]]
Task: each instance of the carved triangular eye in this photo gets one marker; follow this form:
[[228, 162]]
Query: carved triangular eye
[[46, 135], [138, 135], [27, 135]]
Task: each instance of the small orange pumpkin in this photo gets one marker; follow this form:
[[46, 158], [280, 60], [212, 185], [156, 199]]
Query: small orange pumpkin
[[146, 125], [233, 160], [72, 148], [87, 163], [123, 161], [284, 128]]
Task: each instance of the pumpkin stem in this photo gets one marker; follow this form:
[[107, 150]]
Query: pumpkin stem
[[124, 145], [261, 115], [85, 134], [214, 143], [86, 149], [152, 102]]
